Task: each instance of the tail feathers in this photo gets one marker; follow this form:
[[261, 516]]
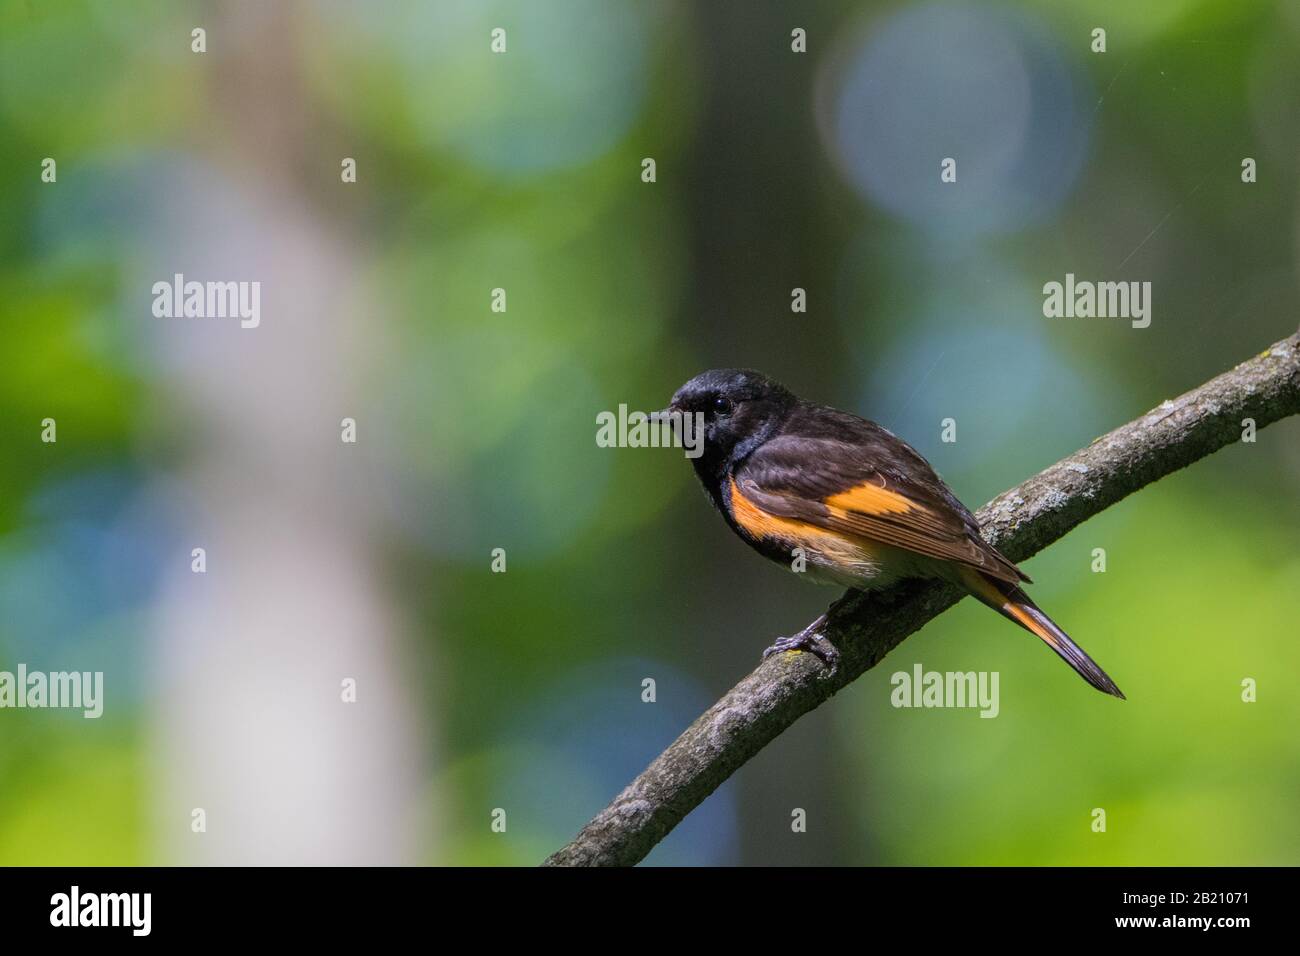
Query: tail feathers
[[1014, 604]]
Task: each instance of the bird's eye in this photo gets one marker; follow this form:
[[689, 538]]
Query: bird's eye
[[722, 405]]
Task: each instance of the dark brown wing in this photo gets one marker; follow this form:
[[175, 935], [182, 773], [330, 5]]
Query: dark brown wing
[[849, 475]]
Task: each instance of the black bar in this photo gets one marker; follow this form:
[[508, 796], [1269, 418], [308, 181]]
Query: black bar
[[334, 905]]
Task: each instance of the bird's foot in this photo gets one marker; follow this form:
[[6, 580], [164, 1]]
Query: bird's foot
[[812, 640]]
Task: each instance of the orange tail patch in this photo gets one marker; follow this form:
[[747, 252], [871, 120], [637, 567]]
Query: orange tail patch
[[1015, 605]]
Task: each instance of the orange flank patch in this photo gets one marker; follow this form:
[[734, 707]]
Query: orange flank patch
[[760, 524], [871, 499]]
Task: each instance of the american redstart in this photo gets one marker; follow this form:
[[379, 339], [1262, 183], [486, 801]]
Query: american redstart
[[864, 506]]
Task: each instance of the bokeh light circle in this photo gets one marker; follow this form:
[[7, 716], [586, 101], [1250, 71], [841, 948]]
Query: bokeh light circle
[[987, 88]]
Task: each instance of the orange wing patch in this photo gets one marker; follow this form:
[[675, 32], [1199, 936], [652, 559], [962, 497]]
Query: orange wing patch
[[845, 559], [871, 499], [869, 517]]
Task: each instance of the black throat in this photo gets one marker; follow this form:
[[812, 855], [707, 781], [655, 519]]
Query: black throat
[[715, 469]]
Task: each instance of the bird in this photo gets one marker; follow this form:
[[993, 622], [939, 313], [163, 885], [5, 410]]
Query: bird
[[860, 506]]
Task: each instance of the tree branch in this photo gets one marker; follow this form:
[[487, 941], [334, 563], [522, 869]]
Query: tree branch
[[865, 627]]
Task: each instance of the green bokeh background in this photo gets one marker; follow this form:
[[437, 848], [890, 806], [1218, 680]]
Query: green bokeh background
[[522, 171]]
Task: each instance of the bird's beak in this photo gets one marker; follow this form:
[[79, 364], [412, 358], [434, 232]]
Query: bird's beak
[[672, 414]]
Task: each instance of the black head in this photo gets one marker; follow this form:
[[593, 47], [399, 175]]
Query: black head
[[741, 408]]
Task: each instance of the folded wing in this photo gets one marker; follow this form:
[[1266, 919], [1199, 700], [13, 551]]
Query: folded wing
[[874, 486]]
